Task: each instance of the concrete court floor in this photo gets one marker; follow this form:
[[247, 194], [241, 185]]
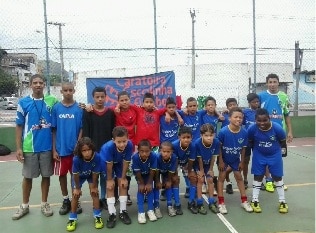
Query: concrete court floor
[[299, 177]]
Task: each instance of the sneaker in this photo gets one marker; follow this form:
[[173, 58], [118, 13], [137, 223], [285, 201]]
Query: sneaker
[[110, 223], [171, 211], [215, 183], [98, 223], [215, 193], [229, 189], [129, 201], [201, 209], [151, 215], [263, 187], [222, 209], [178, 209], [255, 206], [141, 218], [163, 195], [20, 212], [158, 213], [65, 208], [213, 207], [187, 193], [246, 184], [285, 188], [204, 189], [71, 225], [192, 207], [79, 208], [283, 208], [247, 206], [125, 218], [103, 204], [269, 186], [46, 210]]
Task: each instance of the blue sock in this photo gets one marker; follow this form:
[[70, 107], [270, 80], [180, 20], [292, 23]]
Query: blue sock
[[211, 200], [169, 196], [176, 195], [96, 213], [150, 200], [192, 193], [73, 216], [102, 186], [156, 197], [187, 181], [269, 179], [140, 202], [199, 201]]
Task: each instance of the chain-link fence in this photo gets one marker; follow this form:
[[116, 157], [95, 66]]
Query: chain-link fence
[[209, 45]]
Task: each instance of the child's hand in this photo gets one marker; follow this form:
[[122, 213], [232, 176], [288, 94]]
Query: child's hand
[[221, 117], [124, 183], [167, 118], [94, 192], [181, 121], [148, 188], [185, 111], [141, 188], [158, 185], [77, 193], [56, 156], [87, 107], [240, 166], [168, 184], [221, 166], [117, 109], [200, 174], [110, 184]]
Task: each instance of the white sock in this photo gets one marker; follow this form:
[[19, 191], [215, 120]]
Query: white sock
[[280, 189], [25, 205], [111, 206], [123, 200], [256, 185]]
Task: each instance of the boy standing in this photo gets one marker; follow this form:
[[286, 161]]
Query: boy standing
[[34, 143], [67, 129]]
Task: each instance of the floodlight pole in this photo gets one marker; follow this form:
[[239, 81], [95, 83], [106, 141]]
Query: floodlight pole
[[192, 13], [47, 55]]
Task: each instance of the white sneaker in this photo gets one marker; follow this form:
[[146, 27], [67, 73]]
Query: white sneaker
[[214, 193], [247, 206], [151, 215], [222, 209], [141, 218], [171, 211], [204, 188], [158, 213]]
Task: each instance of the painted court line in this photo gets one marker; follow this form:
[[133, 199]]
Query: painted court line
[[222, 218]]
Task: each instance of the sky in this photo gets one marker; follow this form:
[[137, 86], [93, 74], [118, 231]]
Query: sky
[[120, 34]]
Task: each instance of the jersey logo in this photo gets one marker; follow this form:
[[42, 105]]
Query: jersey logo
[[241, 140], [67, 116]]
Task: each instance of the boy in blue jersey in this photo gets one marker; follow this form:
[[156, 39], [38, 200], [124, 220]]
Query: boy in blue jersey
[[34, 143], [233, 139], [249, 119], [268, 140], [116, 154], [86, 167], [166, 171], [67, 129], [230, 103], [144, 165], [207, 149], [277, 104], [185, 151], [210, 115]]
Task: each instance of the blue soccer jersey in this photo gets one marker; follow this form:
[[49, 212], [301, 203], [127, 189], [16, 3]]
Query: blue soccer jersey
[[144, 167], [225, 122], [276, 104], [206, 153], [167, 166], [249, 117], [184, 154], [86, 168], [209, 119], [267, 143], [67, 120], [232, 143], [168, 131], [110, 154], [192, 121]]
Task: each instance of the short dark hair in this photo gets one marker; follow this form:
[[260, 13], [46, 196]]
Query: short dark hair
[[235, 109], [167, 144], [251, 97], [262, 111], [170, 100], [144, 142], [119, 131], [270, 76], [207, 128], [229, 100], [123, 93], [36, 76], [208, 99], [81, 142], [184, 129], [148, 95], [98, 89], [190, 99]]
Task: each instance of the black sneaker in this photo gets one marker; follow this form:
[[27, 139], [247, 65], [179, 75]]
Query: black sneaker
[[263, 187], [103, 204], [111, 221], [65, 208], [229, 189], [79, 208], [201, 209], [129, 201], [125, 218], [178, 209], [187, 193], [163, 195], [192, 207]]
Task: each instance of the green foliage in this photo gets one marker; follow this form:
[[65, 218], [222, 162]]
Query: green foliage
[[8, 84]]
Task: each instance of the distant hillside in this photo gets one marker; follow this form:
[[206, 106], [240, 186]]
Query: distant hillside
[[54, 68]]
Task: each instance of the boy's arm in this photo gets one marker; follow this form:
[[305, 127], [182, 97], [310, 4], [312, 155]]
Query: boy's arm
[[18, 142], [289, 129], [242, 159], [180, 120], [201, 168], [55, 154], [80, 134]]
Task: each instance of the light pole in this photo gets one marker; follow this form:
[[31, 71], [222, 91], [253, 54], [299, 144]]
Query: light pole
[[47, 55], [192, 13]]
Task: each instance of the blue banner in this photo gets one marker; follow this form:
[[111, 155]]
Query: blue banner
[[161, 85]]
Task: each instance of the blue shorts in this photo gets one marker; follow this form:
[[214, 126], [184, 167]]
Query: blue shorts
[[117, 169], [233, 163], [274, 163], [81, 181]]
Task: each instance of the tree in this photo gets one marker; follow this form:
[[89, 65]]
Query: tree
[[8, 84]]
